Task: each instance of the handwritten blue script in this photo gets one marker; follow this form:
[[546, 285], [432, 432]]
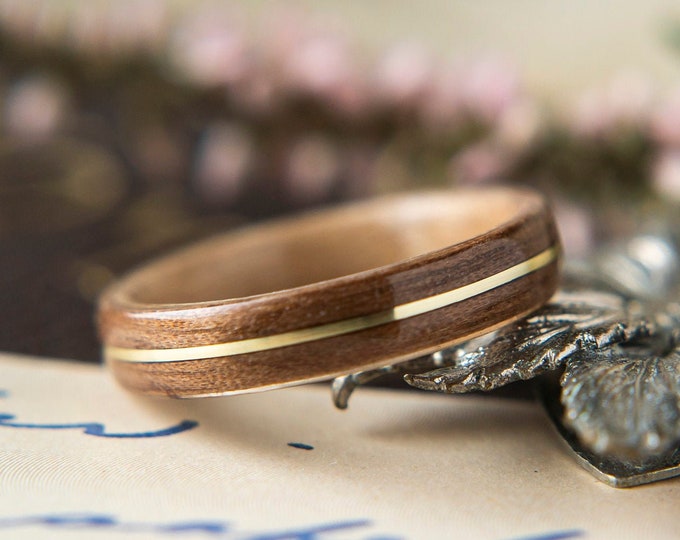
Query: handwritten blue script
[[95, 428], [214, 529], [219, 529], [99, 430], [558, 535]]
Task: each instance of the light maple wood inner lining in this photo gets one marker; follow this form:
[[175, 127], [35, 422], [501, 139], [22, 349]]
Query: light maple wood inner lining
[[320, 247]]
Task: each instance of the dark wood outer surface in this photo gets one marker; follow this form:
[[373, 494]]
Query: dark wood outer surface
[[130, 325]]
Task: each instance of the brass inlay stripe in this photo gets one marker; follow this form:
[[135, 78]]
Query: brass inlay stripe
[[295, 337]]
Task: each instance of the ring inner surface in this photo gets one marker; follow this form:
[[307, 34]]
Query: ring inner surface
[[319, 247]]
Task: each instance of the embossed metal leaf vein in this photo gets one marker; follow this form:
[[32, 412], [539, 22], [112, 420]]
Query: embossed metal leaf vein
[[624, 401], [544, 341]]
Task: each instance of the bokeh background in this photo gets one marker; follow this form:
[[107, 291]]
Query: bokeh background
[[129, 128]]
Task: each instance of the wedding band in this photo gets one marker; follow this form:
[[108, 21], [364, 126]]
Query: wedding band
[[330, 293]]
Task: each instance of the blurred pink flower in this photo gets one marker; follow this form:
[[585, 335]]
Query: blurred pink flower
[[666, 175], [320, 65], [626, 102], [519, 125], [222, 163], [257, 93], [19, 17], [280, 31], [489, 86], [50, 23], [317, 64], [85, 31], [313, 166], [210, 48], [34, 107], [479, 163], [576, 228], [665, 124], [404, 74], [136, 26], [441, 107]]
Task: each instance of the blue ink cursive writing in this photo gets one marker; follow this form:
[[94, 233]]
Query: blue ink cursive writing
[[95, 428], [98, 430], [211, 528], [558, 535], [215, 529]]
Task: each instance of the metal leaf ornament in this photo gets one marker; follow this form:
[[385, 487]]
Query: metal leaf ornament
[[624, 401], [573, 321]]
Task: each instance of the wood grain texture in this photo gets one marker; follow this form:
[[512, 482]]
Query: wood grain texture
[[326, 268]]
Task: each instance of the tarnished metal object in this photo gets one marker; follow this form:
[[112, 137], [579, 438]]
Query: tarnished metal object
[[620, 472], [343, 387], [574, 321], [624, 401]]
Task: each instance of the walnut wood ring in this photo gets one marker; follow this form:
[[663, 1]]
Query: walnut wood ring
[[330, 293]]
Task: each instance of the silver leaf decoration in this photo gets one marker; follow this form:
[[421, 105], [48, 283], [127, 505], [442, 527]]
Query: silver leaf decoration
[[572, 322], [624, 401]]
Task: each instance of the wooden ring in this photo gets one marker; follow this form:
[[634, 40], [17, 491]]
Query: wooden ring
[[330, 293]]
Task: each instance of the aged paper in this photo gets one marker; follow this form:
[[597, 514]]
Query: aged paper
[[82, 458]]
